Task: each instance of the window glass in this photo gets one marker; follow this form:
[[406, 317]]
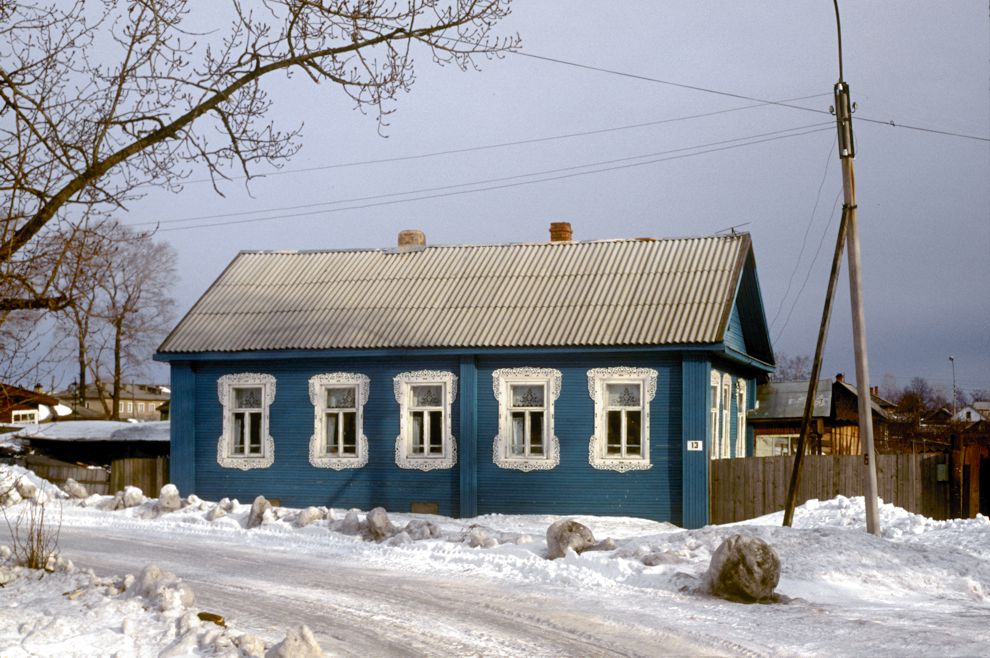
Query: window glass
[[624, 395], [340, 398], [427, 396], [247, 398], [527, 395]]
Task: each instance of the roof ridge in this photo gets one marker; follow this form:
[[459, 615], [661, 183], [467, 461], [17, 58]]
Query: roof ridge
[[483, 245]]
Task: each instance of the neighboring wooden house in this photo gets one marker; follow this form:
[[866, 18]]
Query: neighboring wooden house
[[776, 420], [20, 406], [137, 401], [564, 377]]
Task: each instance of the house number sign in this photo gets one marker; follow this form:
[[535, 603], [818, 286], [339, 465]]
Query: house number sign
[[694, 446]]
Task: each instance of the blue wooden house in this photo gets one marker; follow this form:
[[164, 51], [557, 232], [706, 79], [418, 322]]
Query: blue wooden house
[[564, 377]]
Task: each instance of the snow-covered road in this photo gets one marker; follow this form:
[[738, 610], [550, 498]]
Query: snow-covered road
[[483, 586], [370, 611]]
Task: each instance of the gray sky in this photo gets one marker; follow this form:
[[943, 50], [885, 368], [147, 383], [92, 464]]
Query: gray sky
[[924, 198]]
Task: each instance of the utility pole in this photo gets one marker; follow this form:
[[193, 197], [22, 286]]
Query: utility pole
[[848, 231], [847, 153], [952, 360]]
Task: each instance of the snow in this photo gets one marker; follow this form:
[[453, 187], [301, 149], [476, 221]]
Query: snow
[[921, 588], [97, 430]]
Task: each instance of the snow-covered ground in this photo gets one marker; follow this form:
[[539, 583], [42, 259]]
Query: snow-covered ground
[[484, 587]]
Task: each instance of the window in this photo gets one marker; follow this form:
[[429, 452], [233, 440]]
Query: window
[[740, 417], [130, 406], [726, 442], [715, 443], [140, 407], [721, 419], [622, 417], [526, 439], [24, 416], [775, 445], [425, 441], [338, 440], [245, 442]]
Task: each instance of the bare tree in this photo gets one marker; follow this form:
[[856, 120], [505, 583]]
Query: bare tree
[[118, 282], [85, 265], [96, 101], [135, 305], [792, 368]]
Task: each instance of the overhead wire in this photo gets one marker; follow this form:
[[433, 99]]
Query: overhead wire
[[517, 183], [807, 231], [785, 103], [811, 267], [481, 182], [498, 145]]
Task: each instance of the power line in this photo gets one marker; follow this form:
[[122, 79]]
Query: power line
[[474, 183], [811, 267], [519, 142], [785, 103], [572, 174], [804, 239]]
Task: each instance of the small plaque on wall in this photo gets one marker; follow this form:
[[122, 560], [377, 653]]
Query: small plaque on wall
[[695, 446]]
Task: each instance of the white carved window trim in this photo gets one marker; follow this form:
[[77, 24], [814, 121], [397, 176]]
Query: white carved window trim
[[225, 391], [598, 379], [403, 383], [502, 382], [713, 418], [318, 386], [726, 443], [740, 417]]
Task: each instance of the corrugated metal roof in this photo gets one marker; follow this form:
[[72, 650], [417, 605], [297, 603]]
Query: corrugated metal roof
[[609, 292]]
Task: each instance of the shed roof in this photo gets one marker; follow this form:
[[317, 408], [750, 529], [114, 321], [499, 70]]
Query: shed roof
[[594, 293]]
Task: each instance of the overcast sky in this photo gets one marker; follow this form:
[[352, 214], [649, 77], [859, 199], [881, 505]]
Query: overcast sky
[[924, 198]]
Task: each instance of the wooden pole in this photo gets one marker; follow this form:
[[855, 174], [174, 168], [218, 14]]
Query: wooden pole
[[809, 402], [846, 153]]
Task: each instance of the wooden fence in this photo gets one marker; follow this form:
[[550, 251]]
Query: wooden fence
[[148, 474], [746, 488]]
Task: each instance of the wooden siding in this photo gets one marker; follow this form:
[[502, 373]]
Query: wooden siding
[[734, 334], [574, 486], [696, 373], [291, 478], [746, 488]]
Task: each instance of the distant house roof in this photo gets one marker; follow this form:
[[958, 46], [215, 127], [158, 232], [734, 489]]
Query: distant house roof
[[152, 392], [785, 400], [97, 430], [780, 400], [609, 292], [15, 395]]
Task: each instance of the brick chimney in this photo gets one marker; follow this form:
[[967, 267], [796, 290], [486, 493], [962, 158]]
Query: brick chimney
[[411, 240], [560, 232]]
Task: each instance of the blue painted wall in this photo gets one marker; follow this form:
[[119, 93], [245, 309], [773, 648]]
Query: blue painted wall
[[574, 486], [675, 488], [291, 478]]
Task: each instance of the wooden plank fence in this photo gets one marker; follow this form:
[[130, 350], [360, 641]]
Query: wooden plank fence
[[148, 474], [746, 488]]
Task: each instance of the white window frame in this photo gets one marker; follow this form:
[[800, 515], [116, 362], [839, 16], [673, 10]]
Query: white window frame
[[598, 380], [726, 451], [403, 383], [24, 416], [715, 389], [318, 387], [225, 445], [740, 417], [503, 380]]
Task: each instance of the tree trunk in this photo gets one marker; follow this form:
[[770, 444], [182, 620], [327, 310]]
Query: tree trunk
[[118, 329]]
